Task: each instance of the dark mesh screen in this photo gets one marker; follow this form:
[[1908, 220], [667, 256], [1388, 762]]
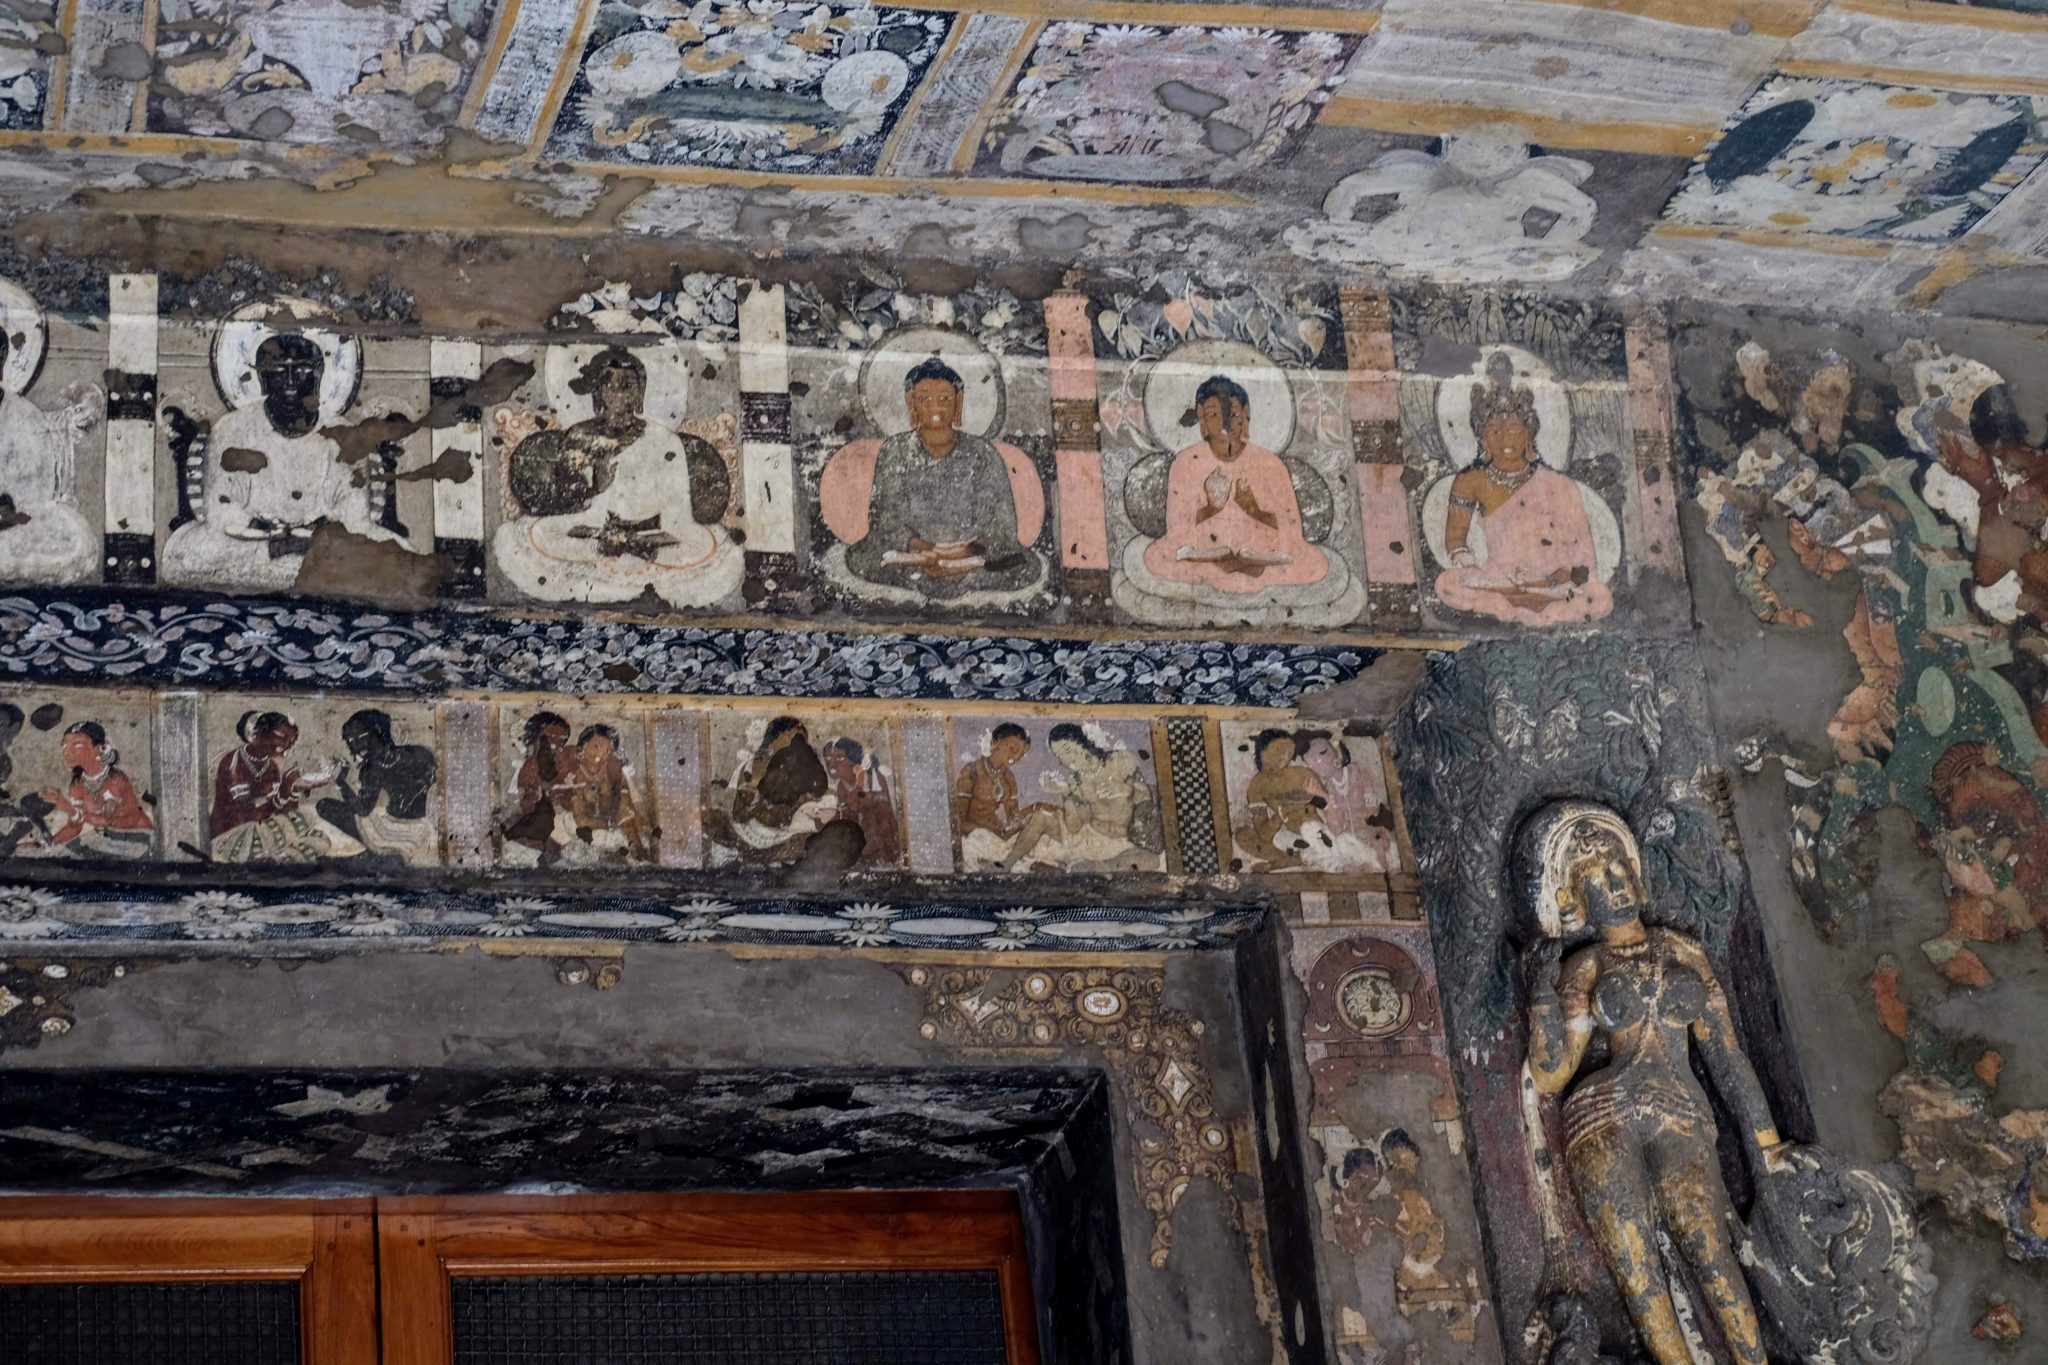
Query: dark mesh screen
[[246, 1322], [951, 1317]]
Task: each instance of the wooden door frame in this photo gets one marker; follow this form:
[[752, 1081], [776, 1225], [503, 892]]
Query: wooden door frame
[[424, 1243], [328, 1246]]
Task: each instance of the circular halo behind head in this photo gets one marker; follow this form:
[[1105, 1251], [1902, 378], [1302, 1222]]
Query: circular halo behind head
[[1552, 406], [668, 380], [981, 379], [248, 327], [1174, 378], [28, 333], [1548, 850]]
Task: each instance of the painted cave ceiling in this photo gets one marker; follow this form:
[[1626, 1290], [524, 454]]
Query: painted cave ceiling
[[1861, 153]]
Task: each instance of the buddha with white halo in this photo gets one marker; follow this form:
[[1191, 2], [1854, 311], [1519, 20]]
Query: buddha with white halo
[[269, 477], [1229, 524], [606, 510], [44, 536], [1520, 540], [937, 508]]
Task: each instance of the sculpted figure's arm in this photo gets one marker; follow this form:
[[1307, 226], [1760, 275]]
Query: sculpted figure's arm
[[1714, 1034], [1560, 1014]]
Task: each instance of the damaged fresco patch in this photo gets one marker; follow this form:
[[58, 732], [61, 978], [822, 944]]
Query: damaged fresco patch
[[315, 71], [1899, 477], [1925, 499], [1863, 159], [754, 86], [1157, 105], [1485, 205]]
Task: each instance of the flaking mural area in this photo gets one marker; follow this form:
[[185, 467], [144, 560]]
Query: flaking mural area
[[1866, 518]]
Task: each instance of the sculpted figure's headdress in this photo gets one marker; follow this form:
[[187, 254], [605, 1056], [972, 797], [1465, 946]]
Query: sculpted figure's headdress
[[1500, 396], [1558, 845]]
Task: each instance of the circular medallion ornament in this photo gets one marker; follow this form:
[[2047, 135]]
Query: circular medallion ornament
[[1102, 1004], [865, 82], [1372, 1003]]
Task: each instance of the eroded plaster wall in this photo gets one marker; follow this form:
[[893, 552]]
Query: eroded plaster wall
[[1860, 539]]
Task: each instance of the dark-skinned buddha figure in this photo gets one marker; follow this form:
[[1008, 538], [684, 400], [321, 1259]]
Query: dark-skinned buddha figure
[[942, 516]]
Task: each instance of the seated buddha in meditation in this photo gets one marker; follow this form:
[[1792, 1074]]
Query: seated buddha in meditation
[[1232, 519], [942, 513], [271, 478], [607, 504], [1539, 566]]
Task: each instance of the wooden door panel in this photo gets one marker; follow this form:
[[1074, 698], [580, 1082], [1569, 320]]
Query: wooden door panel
[[424, 1244], [328, 1248]]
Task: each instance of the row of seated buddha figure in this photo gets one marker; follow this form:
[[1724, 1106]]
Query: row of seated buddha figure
[[608, 498]]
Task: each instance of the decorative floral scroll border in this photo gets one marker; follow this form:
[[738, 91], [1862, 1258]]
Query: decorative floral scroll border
[[1155, 1049], [1123, 1013], [88, 635], [285, 917]]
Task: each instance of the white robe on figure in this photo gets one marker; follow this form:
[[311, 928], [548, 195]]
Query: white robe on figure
[[302, 482], [38, 460]]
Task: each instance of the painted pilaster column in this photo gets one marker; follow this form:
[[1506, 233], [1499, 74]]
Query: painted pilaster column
[[1655, 521], [1393, 596], [453, 367], [767, 464], [130, 476], [1077, 449]]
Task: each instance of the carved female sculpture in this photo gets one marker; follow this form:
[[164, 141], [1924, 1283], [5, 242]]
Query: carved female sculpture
[[1639, 1134]]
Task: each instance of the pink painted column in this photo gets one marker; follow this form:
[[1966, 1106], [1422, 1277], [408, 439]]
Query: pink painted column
[[1657, 545], [1393, 596], [1077, 448]]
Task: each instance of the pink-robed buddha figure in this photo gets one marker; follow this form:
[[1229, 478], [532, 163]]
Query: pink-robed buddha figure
[[1232, 519], [1540, 568]]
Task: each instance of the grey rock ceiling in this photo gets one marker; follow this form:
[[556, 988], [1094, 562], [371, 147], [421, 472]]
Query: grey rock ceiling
[[1859, 154]]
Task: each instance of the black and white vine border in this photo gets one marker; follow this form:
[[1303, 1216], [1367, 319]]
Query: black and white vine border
[[104, 636]]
